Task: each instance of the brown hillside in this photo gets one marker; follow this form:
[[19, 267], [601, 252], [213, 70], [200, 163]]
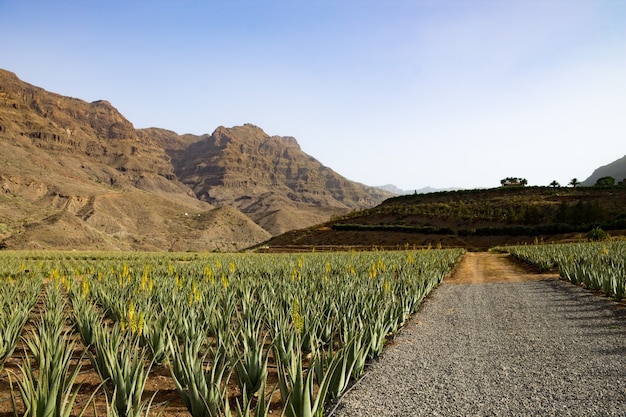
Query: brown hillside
[[76, 175], [474, 219], [269, 178]]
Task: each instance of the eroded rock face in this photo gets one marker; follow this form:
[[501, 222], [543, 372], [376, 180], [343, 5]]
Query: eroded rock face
[[261, 174], [74, 127], [69, 166]]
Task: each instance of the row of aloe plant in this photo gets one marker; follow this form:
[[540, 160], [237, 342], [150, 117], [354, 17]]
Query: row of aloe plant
[[599, 266], [315, 318], [18, 295], [223, 323], [48, 372]]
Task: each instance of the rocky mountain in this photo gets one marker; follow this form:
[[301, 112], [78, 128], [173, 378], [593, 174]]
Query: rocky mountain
[[616, 169], [78, 175], [269, 178]]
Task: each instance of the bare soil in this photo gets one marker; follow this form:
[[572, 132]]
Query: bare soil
[[485, 267]]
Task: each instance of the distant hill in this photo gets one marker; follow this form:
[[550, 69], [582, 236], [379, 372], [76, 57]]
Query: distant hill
[[398, 191], [616, 169], [78, 175], [474, 219]]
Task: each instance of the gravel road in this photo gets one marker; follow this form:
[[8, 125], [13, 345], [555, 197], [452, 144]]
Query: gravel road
[[500, 347]]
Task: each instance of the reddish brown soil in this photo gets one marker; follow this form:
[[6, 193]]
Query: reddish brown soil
[[485, 267]]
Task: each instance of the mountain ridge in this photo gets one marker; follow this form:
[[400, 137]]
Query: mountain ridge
[[615, 169], [269, 178], [78, 175]]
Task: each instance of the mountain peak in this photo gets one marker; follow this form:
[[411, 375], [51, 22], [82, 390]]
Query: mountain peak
[[269, 178], [83, 167]]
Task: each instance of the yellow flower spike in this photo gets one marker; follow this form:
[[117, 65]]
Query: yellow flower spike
[[99, 276], [122, 326], [296, 318], [144, 277], [409, 259], [131, 311], [150, 284], [224, 281], [231, 267], [385, 286], [22, 267], [380, 265], [208, 274], [141, 324], [218, 265], [85, 288]]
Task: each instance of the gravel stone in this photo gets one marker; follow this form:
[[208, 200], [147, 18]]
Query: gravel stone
[[537, 348]]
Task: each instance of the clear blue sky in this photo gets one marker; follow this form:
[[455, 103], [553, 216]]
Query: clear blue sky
[[415, 93]]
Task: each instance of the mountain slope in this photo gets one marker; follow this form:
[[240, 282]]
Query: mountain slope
[[76, 175], [616, 169], [269, 178], [471, 219]]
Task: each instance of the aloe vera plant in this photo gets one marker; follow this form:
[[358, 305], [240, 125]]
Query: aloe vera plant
[[297, 384], [203, 390], [251, 364], [47, 388], [122, 364]]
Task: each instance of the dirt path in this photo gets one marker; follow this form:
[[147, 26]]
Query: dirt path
[[484, 267], [496, 339]]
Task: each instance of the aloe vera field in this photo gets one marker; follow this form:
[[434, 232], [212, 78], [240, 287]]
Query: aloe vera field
[[136, 334], [201, 334]]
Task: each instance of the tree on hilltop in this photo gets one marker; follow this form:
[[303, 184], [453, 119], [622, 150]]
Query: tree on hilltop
[[555, 184], [513, 181], [574, 182]]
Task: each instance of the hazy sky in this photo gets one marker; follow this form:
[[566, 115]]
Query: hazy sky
[[414, 93]]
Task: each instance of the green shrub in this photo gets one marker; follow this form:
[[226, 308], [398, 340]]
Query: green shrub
[[597, 235]]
